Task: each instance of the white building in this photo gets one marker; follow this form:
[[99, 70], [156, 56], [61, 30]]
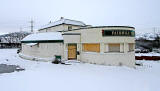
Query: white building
[[107, 45]]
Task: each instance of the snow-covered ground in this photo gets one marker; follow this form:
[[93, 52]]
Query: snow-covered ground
[[44, 76]]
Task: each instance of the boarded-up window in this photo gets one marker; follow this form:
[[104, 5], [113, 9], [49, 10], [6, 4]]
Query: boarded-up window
[[114, 47], [131, 46], [91, 47]]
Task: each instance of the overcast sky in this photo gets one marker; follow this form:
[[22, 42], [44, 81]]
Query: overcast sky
[[141, 14]]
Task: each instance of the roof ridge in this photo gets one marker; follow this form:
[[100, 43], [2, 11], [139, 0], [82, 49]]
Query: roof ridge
[[51, 23], [74, 20]]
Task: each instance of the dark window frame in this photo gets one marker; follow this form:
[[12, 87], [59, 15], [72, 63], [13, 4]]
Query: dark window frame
[[129, 33], [69, 27]]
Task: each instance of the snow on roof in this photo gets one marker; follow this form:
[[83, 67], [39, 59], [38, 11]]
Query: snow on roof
[[31, 44], [44, 36], [64, 21]]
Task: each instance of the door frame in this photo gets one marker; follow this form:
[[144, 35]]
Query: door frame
[[68, 51]]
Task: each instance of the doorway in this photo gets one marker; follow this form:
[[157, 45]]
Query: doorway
[[72, 49]]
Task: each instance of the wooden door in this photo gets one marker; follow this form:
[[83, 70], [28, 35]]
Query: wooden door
[[72, 48]]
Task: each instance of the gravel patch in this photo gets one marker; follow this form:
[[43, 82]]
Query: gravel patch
[[4, 68]]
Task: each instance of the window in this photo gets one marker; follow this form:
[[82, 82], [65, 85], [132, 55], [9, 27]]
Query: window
[[114, 47], [91, 47], [131, 46], [69, 27]]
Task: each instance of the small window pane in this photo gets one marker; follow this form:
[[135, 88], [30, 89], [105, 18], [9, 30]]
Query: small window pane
[[69, 27], [131, 46], [114, 47]]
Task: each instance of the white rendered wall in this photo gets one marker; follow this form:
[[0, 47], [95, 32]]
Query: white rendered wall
[[94, 35], [45, 50], [53, 29], [59, 28], [127, 59], [71, 39]]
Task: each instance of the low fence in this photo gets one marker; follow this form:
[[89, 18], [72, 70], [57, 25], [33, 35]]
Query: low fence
[[147, 58]]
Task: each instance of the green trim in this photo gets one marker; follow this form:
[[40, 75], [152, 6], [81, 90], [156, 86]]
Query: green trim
[[43, 41]]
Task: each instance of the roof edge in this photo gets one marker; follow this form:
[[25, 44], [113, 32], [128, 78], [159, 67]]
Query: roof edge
[[101, 27], [59, 25], [43, 41]]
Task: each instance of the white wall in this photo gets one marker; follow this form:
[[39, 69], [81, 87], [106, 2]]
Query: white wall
[[73, 27], [53, 29], [94, 35], [90, 35], [59, 28], [45, 50], [116, 59], [71, 39]]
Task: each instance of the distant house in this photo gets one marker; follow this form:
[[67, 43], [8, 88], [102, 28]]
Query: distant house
[[12, 40], [71, 39]]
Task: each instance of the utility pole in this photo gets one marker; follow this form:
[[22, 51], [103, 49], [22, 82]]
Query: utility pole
[[32, 25]]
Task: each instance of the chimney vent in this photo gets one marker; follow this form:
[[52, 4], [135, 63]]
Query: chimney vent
[[62, 17]]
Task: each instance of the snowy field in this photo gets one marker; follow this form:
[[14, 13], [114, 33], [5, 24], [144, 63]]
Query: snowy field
[[44, 76]]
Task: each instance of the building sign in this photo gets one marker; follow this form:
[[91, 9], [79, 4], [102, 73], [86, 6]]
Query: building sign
[[130, 33]]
